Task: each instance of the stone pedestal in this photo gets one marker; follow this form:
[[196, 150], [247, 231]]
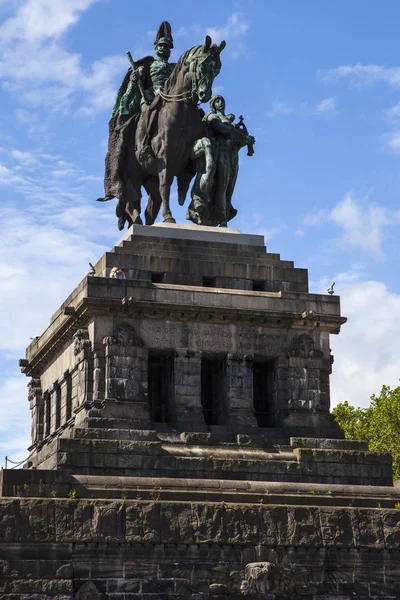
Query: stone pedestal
[[182, 445]]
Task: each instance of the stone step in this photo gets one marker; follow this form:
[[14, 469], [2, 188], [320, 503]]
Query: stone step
[[272, 259], [156, 459], [53, 484], [186, 265], [192, 244], [189, 250]]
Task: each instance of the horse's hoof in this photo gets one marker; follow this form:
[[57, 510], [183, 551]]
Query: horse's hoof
[[137, 221], [223, 224], [169, 220]]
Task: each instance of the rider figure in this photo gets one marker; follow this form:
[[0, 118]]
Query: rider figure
[[150, 72]]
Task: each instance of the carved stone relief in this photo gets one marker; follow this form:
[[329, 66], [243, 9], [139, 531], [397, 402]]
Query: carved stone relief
[[303, 347], [34, 389], [259, 578], [81, 339], [88, 591], [124, 335]]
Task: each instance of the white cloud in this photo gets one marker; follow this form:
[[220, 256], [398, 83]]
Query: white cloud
[[367, 352], [39, 254], [43, 19], [279, 109], [326, 106], [361, 224], [394, 112], [392, 140], [36, 66], [236, 26], [316, 218], [15, 419], [360, 74]]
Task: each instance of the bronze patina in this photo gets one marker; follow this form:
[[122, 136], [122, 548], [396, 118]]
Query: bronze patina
[[157, 132]]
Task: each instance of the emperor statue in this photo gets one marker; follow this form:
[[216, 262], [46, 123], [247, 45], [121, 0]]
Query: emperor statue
[[158, 132], [143, 81]]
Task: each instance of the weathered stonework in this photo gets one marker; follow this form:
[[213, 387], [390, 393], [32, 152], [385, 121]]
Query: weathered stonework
[[182, 445]]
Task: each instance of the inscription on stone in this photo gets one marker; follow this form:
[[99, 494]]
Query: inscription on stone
[[261, 342], [214, 338]]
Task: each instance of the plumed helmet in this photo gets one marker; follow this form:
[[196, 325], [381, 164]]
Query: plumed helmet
[[164, 35]]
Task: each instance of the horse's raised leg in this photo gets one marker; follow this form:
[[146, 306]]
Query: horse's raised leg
[[164, 186]]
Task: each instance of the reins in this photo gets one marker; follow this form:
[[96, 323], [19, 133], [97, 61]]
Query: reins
[[188, 95], [176, 97]]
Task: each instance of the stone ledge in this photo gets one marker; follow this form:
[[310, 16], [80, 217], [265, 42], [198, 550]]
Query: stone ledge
[[158, 522], [45, 484], [193, 232]]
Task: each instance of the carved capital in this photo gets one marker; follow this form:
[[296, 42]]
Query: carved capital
[[304, 347], [34, 389], [81, 340], [124, 335]]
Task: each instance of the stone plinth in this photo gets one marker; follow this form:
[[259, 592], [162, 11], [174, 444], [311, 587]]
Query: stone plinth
[[182, 445]]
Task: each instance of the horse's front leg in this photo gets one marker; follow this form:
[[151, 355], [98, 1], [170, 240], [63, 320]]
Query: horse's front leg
[[164, 185]]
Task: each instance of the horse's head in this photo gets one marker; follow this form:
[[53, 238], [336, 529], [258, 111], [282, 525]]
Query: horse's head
[[205, 64]]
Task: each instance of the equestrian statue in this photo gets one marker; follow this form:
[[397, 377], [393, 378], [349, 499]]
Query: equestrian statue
[[157, 131]]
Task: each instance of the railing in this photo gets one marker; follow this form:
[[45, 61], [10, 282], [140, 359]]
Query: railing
[[17, 464]]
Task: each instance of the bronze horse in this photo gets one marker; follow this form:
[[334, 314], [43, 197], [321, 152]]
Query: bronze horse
[[173, 125]]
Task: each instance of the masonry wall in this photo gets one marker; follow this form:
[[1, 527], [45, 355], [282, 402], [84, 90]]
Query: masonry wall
[[160, 550]]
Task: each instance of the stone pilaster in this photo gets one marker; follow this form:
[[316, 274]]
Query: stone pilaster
[[82, 376], [36, 404], [239, 391], [186, 407], [307, 399], [126, 376]]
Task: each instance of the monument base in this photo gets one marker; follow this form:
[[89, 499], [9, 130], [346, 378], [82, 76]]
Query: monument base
[[182, 445]]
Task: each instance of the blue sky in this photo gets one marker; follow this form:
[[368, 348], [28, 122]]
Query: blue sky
[[319, 85]]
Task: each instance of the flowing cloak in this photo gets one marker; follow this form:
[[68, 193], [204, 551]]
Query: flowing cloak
[[119, 167]]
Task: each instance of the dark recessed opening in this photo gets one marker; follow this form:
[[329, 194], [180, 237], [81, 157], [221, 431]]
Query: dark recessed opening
[[208, 281], [212, 386], [68, 396], [57, 406], [258, 285], [263, 381], [160, 373], [46, 399], [157, 277]]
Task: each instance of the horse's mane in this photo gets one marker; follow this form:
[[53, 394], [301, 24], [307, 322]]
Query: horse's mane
[[172, 79]]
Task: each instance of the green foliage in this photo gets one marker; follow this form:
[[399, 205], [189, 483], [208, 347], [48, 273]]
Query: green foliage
[[379, 424], [71, 494]]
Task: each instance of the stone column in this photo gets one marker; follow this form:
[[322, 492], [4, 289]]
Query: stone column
[[36, 404], [186, 406], [239, 392]]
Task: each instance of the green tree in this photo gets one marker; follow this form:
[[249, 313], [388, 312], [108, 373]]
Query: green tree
[[379, 424]]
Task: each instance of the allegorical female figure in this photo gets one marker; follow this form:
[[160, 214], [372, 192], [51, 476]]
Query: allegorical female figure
[[227, 138]]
